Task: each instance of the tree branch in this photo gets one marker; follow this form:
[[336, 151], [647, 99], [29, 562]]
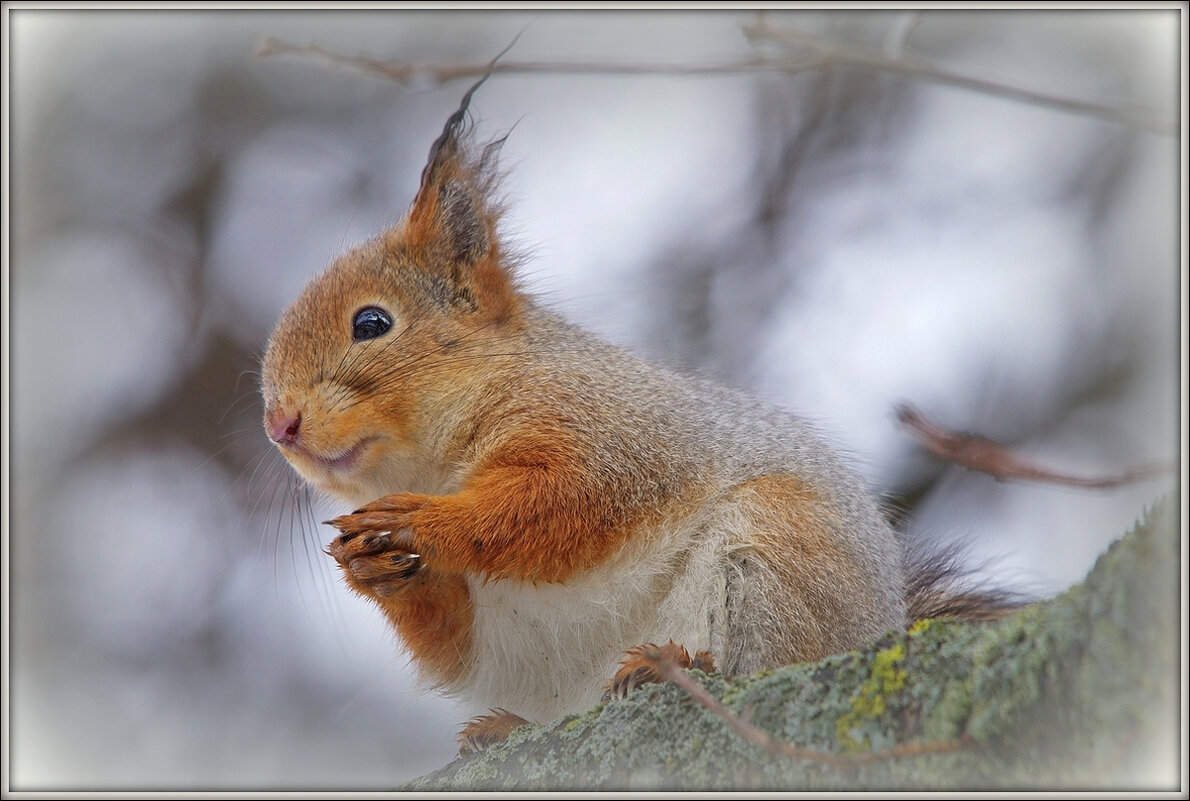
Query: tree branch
[[976, 452], [1077, 692], [801, 52], [759, 737], [897, 60]]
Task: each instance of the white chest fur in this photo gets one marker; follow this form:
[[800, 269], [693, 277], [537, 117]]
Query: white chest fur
[[546, 650]]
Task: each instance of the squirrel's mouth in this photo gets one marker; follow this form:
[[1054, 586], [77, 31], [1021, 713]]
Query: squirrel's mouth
[[344, 462]]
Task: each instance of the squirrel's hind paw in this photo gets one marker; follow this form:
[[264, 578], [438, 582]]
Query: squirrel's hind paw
[[488, 730], [639, 666]]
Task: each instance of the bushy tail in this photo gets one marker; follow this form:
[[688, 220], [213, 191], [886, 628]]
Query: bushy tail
[[937, 586]]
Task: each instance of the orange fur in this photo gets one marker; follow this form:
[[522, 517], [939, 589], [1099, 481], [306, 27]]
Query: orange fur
[[528, 513], [434, 619], [431, 611]]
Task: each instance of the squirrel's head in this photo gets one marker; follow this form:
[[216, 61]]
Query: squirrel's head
[[357, 372]]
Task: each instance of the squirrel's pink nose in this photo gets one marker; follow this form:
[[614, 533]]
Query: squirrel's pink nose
[[282, 425]]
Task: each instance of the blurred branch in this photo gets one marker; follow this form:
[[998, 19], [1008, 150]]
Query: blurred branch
[[897, 38], [800, 52], [975, 452], [895, 59], [407, 73]]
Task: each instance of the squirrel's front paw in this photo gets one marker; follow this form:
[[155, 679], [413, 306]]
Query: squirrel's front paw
[[388, 514], [375, 548], [376, 563]]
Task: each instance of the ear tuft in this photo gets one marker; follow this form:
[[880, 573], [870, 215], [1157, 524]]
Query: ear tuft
[[451, 229], [448, 144], [455, 212]]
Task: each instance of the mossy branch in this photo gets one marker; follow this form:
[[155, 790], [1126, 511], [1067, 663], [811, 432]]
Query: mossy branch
[[1079, 692]]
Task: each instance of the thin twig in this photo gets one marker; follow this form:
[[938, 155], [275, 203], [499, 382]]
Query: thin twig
[[762, 739], [408, 73], [801, 52], [979, 453], [897, 38]]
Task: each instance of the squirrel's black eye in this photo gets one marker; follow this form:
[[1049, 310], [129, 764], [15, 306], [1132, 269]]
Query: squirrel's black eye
[[369, 323]]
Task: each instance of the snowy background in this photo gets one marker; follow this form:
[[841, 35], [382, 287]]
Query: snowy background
[[835, 240]]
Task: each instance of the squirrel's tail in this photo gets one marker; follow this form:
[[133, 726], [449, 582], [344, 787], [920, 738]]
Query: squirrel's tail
[[937, 586]]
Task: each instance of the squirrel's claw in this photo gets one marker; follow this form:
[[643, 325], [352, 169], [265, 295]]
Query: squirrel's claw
[[358, 523], [390, 514]]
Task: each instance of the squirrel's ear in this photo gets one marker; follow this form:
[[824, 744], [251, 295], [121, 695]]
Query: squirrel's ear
[[454, 215]]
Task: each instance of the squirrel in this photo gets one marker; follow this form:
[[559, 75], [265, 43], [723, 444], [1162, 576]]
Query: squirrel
[[532, 504]]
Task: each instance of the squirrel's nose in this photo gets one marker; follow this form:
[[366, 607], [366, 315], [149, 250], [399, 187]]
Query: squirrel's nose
[[282, 425]]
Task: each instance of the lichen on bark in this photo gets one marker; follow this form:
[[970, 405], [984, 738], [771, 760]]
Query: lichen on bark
[[1080, 692]]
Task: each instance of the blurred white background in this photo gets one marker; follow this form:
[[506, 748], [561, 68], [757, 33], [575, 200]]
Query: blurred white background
[[837, 240]]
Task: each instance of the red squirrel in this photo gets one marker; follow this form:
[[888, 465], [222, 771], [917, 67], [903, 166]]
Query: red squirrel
[[531, 502]]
